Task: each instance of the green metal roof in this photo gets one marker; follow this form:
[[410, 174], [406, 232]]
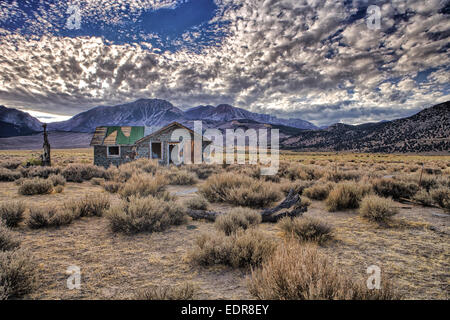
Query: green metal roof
[[128, 138]]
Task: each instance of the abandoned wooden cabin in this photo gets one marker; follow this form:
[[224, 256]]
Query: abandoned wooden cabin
[[115, 145]]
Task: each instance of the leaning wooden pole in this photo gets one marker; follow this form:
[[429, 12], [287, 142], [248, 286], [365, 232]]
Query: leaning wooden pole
[[46, 159]]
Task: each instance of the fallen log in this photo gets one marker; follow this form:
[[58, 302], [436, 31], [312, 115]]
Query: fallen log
[[268, 215]]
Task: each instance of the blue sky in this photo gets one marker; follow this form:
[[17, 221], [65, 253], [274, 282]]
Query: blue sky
[[313, 59]]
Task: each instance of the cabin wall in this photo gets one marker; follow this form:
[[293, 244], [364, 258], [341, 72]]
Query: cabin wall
[[101, 156]]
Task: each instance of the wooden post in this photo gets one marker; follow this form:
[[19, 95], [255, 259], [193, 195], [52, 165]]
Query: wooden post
[[421, 173], [46, 160]]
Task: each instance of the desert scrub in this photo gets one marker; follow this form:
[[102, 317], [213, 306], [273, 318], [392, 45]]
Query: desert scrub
[[424, 198], [377, 208], [306, 229], [185, 291], [41, 172], [57, 180], [302, 172], [441, 197], [148, 214], [9, 175], [239, 190], [298, 186], [346, 195], [82, 172], [144, 185], [11, 213], [197, 203], [17, 274], [242, 249], [49, 217], [35, 186], [237, 219], [394, 188], [8, 240], [301, 272], [203, 171], [88, 206], [318, 191], [337, 176], [112, 186], [181, 177]]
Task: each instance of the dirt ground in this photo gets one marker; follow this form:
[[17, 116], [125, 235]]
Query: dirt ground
[[414, 251]]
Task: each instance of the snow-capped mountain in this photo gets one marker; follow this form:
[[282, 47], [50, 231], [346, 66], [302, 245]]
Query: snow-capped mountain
[[14, 122], [225, 112], [143, 112]]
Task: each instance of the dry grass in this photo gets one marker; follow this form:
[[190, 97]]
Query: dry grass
[[237, 219], [17, 274], [11, 213], [346, 195], [144, 185], [197, 203], [9, 175], [239, 190], [145, 215], [82, 172], [306, 229], [30, 187], [88, 206], [181, 177], [394, 188], [8, 241], [49, 217], [377, 208], [242, 249], [299, 272], [184, 292], [318, 191]]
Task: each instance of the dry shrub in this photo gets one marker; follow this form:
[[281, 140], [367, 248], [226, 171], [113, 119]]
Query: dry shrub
[[181, 177], [203, 171], [300, 272], [239, 190], [58, 189], [377, 208], [57, 180], [9, 175], [237, 219], [145, 215], [140, 165], [41, 172], [394, 188], [197, 203], [337, 176], [298, 186], [17, 274], [302, 172], [306, 229], [144, 185], [11, 165], [34, 186], [7, 240], [441, 197], [185, 291], [49, 217], [318, 191], [11, 213], [89, 206], [82, 172], [346, 195], [112, 186], [424, 197], [242, 249], [97, 181]]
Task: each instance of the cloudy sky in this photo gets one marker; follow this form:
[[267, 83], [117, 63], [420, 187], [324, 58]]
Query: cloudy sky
[[322, 61]]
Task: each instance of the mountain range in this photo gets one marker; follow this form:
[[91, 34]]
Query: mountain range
[[427, 131]]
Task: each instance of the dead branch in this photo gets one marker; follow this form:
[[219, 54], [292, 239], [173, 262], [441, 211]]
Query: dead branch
[[268, 215]]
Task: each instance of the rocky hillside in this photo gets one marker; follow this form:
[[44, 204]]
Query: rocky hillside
[[426, 131], [14, 122]]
